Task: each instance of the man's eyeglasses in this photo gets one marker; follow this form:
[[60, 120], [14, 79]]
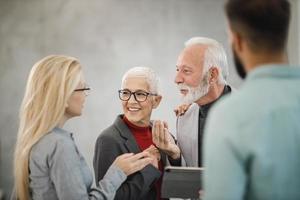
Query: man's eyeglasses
[[86, 90], [139, 96]]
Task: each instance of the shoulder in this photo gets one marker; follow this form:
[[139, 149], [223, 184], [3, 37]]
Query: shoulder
[[236, 114], [52, 143], [53, 138], [230, 110], [115, 130], [226, 103], [111, 134]]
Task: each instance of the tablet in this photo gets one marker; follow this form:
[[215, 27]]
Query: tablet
[[181, 182]]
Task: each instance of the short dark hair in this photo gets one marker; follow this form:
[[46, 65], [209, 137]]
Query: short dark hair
[[263, 23]]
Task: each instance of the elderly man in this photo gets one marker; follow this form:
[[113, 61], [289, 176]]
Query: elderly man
[[131, 133], [252, 138], [201, 78]]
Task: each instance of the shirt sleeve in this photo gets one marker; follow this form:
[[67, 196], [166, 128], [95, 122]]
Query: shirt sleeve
[[67, 176], [224, 175]]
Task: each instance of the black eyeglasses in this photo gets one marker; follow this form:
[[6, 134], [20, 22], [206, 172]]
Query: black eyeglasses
[[86, 90], [139, 95]]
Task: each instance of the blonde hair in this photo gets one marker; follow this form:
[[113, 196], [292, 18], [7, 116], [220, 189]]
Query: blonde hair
[[50, 84]]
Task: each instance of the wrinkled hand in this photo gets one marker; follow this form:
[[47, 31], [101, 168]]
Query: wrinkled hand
[[154, 155], [181, 109], [130, 163], [163, 139]]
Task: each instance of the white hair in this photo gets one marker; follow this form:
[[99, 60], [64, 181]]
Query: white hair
[[144, 72], [215, 56]]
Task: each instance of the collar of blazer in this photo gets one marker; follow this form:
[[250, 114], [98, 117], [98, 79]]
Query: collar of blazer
[[129, 140]]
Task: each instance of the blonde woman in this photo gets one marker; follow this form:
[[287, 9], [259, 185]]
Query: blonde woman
[[47, 163]]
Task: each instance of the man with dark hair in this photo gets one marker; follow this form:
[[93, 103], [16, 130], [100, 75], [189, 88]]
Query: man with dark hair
[[252, 137]]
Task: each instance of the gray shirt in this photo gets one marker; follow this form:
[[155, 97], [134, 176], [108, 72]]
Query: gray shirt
[[59, 171]]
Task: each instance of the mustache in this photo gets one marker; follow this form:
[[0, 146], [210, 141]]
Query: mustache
[[183, 86]]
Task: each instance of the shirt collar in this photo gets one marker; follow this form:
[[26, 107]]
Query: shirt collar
[[63, 131], [274, 70], [205, 108]]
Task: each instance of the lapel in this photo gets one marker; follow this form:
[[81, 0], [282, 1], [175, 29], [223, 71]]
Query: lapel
[[125, 133]]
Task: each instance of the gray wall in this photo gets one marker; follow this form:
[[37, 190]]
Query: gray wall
[[294, 34], [109, 37]]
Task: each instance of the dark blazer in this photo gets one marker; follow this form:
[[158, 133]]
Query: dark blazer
[[114, 141]]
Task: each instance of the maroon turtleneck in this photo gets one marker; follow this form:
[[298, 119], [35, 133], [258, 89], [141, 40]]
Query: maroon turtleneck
[[143, 137]]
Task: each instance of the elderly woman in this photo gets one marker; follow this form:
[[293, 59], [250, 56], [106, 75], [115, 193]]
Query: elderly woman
[[132, 132], [47, 163]]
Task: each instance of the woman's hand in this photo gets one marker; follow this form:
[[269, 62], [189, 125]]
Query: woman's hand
[[154, 154], [130, 163], [163, 139]]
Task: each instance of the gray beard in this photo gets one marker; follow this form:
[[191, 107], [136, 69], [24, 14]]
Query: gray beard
[[194, 93]]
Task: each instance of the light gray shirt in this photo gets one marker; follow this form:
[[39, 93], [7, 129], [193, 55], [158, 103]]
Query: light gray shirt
[[59, 171], [187, 135]]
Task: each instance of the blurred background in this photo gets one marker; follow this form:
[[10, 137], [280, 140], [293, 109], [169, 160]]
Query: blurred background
[[108, 37]]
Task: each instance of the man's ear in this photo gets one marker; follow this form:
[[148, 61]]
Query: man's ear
[[237, 41], [156, 101], [213, 75], [229, 33]]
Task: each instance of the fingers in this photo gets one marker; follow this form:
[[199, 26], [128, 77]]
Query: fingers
[[166, 136], [161, 135], [140, 155], [176, 111], [165, 124], [181, 109], [166, 133], [161, 132], [139, 164], [125, 155], [131, 157], [155, 133], [151, 149]]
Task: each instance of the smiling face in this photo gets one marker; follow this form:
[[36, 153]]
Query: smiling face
[[138, 113], [191, 81]]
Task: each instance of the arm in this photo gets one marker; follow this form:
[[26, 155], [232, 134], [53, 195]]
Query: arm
[[224, 176], [66, 172], [138, 184]]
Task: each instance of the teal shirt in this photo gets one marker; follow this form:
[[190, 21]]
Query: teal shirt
[[252, 139]]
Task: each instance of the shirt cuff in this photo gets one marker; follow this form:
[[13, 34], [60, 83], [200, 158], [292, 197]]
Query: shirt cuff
[[115, 176]]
